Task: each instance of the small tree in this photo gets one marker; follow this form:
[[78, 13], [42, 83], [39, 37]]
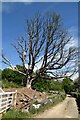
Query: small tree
[[46, 44]]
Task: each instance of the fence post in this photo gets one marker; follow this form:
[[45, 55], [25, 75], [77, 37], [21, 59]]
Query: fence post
[[15, 97], [7, 102], [12, 100]]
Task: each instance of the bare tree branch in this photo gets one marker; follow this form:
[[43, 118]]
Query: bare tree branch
[[45, 42]]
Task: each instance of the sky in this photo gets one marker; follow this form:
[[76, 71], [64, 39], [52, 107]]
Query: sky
[[40, 0], [14, 17]]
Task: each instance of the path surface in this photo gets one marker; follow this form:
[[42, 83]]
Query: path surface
[[65, 109]]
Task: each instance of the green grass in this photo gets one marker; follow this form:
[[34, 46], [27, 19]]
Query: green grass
[[15, 114]]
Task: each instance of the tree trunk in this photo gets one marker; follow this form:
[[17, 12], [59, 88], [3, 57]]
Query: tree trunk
[[28, 83]]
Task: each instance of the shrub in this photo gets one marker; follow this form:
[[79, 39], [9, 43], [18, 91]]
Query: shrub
[[44, 85]]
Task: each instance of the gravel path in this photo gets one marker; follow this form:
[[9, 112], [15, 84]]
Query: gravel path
[[65, 109]]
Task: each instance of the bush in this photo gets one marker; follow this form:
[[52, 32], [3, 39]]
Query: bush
[[12, 76], [44, 85]]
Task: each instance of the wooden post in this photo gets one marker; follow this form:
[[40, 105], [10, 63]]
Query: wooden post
[[12, 100]]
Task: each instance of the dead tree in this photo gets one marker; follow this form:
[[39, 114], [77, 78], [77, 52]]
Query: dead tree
[[46, 42]]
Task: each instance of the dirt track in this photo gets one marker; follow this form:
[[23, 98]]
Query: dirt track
[[66, 109]]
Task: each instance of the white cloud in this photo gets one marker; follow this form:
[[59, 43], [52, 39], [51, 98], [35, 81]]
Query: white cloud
[[75, 76], [72, 43]]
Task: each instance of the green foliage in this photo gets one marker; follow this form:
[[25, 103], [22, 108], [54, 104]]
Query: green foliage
[[13, 76], [19, 67], [0, 71], [32, 111], [41, 85], [56, 86], [46, 85], [67, 85], [75, 94]]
